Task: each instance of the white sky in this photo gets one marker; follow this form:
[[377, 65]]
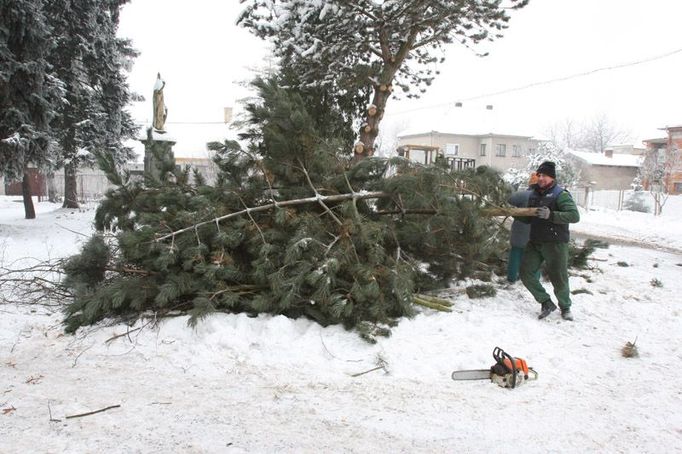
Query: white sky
[[201, 55]]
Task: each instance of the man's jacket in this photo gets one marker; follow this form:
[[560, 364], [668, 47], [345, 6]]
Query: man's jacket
[[563, 212]]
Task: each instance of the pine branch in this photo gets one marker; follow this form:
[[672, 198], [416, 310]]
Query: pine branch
[[430, 304], [409, 211], [317, 194], [511, 211], [329, 198], [253, 220], [435, 300]]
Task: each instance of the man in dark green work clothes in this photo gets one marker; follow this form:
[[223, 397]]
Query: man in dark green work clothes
[[549, 241]]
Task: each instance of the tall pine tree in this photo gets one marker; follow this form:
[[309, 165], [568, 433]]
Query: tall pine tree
[[90, 60], [359, 46], [28, 92]]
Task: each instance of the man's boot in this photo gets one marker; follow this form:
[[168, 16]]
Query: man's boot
[[547, 308], [566, 314]]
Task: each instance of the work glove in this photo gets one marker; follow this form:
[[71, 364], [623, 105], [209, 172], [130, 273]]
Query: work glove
[[543, 212]]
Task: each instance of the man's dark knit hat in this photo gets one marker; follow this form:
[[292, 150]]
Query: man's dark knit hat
[[547, 168]]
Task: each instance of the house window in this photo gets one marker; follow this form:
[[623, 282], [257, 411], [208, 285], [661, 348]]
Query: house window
[[483, 149], [501, 149], [451, 149], [516, 151]]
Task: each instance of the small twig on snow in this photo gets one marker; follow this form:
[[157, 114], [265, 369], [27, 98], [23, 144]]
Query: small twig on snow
[[382, 365], [127, 333], [79, 355], [92, 412], [367, 371]]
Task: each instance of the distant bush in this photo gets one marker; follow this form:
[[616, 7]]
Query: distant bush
[[636, 202]]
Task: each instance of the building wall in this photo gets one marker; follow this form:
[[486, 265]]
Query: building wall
[[470, 147], [609, 177], [36, 180], [508, 161]]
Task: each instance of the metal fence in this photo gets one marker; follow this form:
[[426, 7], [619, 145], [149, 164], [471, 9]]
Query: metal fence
[[588, 198]]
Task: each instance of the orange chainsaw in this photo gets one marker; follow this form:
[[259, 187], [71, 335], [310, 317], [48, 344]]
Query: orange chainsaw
[[507, 372]]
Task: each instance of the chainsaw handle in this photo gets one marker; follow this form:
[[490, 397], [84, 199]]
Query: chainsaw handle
[[498, 354], [511, 364]]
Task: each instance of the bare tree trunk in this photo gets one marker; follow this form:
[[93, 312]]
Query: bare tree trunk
[[369, 130], [51, 188], [70, 187], [29, 210]]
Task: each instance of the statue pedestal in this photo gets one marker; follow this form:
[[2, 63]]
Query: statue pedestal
[[158, 153]]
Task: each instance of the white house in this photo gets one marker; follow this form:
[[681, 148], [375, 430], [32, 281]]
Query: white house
[[475, 141]]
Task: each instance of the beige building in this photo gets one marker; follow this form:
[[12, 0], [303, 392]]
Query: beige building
[[615, 168], [499, 151]]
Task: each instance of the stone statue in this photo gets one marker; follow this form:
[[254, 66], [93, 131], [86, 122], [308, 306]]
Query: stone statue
[[160, 110]]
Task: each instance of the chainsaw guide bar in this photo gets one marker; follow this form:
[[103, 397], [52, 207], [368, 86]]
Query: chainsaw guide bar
[[507, 372]]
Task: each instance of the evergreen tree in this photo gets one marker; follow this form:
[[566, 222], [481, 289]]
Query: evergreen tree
[[90, 61], [362, 46], [28, 92], [636, 200], [286, 229], [567, 172]]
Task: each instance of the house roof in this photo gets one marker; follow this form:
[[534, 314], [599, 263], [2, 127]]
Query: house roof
[[417, 132], [465, 122], [656, 140], [599, 159]]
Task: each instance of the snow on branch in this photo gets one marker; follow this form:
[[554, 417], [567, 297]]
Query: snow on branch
[[315, 199]]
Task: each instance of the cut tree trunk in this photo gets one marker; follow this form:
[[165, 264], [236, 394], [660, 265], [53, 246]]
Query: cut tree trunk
[[500, 211], [29, 209], [70, 187], [369, 130]]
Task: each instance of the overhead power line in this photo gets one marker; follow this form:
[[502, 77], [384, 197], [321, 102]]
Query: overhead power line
[[544, 82]]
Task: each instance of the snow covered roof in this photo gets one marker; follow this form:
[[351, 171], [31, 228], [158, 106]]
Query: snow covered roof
[[478, 122], [599, 159]]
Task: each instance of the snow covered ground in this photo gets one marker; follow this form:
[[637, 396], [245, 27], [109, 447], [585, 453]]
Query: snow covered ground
[[271, 384]]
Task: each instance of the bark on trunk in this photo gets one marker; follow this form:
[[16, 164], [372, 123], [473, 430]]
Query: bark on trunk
[[70, 188], [29, 210], [375, 112], [369, 130], [51, 188]]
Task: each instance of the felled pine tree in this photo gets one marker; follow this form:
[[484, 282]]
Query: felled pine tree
[[289, 227]]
